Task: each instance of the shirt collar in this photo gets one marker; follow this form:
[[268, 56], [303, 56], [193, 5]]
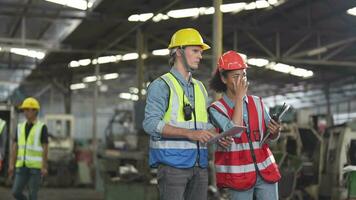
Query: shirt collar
[[230, 102], [179, 76]]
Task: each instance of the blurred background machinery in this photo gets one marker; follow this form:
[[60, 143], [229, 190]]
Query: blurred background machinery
[[62, 165]]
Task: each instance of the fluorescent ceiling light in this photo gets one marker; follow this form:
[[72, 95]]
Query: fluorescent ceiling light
[[74, 64], [232, 7], [262, 4], [160, 17], [351, 11], [77, 86], [182, 13], [128, 96], [84, 62], [140, 17], [259, 62], [207, 10], [273, 2], [78, 4], [195, 12], [288, 69], [130, 56], [133, 90], [106, 59], [111, 76], [28, 52], [160, 52], [0, 48], [89, 79], [244, 56], [302, 72]]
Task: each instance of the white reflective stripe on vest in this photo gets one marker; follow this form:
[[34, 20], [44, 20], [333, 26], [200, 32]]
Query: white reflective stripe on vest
[[245, 168], [34, 148], [200, 125], [243, 146], [221, 107], [202, 89], [30, 158], [172, 144], [175, 101]]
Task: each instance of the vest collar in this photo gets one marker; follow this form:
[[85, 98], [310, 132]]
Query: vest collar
[[180, 77], [230, 102]]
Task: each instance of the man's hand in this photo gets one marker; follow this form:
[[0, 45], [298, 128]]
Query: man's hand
[[200, 135], [44, 171], [10, 171], [226, 142], [274, 127]]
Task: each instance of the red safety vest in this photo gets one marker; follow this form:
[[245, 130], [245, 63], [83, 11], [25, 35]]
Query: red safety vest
[[237, 166]]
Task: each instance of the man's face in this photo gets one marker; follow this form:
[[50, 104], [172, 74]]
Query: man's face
[[193, 55], [30, 114]]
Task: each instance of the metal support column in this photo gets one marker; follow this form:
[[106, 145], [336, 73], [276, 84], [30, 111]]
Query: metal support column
[[217, 33], [95, 102], [140, 64], [217, 51]]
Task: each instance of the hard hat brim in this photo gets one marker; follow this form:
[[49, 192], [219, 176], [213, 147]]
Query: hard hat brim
[[203, 46]]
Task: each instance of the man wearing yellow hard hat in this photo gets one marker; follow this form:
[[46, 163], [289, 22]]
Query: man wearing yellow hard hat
[[177, 121], [29, 152]]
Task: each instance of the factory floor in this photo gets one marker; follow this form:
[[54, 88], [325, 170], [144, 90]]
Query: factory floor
[[58, 194]]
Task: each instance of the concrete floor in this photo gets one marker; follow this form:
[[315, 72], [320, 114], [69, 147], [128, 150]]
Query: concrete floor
[[58, 194]]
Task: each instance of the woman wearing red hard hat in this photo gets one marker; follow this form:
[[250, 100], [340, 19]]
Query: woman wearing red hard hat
[[243, 164]]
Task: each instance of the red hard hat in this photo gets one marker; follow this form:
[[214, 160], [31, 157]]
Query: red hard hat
[[231, 60]]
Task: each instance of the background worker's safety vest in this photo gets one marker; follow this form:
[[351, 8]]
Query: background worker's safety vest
[[2, 125], [181, 152], [238, 165], [29, 153]]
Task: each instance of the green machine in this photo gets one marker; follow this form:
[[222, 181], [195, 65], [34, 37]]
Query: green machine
[[350, 171]]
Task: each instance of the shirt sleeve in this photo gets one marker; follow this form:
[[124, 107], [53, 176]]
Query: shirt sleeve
[[44, 135], [156, 106], [219, 120]]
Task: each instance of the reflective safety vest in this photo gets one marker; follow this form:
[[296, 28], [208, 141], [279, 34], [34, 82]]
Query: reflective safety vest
[[29, 153], [181, 152], [237, 166], [2, 125]]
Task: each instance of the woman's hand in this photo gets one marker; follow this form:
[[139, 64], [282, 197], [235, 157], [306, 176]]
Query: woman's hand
[[240, 87], [226, 142]]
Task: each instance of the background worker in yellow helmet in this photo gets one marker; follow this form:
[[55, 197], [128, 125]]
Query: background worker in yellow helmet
[[2, 142], [29, 152], [177, 121]]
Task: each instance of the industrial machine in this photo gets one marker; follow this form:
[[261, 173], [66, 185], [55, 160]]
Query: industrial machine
[[9, 115], [299, 154], [338, 140], [62, 167], [122, 161]]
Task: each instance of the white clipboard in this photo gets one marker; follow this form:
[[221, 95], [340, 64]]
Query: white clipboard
[[231, 132]]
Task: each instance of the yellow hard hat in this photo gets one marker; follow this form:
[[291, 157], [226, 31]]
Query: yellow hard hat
[[187, 37], [30, 103]]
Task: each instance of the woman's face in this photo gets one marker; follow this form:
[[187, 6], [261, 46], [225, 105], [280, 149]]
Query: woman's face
[[231, 77]]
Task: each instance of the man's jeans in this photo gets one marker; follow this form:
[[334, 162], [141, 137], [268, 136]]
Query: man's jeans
[[182, 184], [26, 177], [262, 190]]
